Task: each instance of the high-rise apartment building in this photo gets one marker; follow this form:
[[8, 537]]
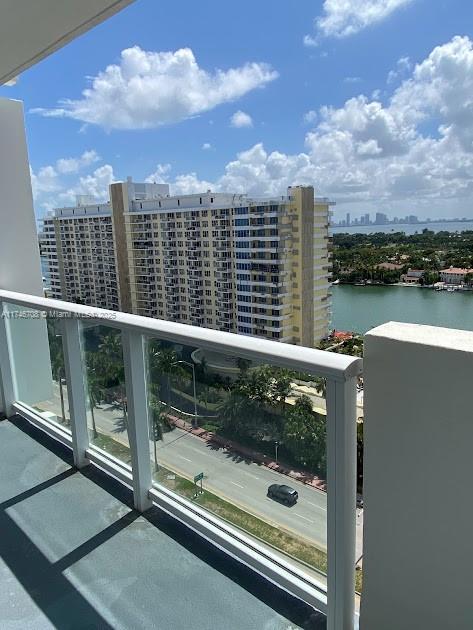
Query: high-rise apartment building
[[224, 261]]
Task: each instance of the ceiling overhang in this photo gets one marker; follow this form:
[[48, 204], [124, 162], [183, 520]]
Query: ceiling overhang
[[30, 30]]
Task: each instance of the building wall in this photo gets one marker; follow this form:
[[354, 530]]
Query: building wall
[[119, 202], [252, 267]]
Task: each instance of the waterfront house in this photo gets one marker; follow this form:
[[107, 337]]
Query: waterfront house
[[454, 275], [413, 276]]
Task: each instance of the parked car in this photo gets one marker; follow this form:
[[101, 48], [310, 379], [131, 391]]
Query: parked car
[[283, 494]]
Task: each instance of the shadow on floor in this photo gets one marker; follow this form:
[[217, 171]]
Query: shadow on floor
[[64, 605]]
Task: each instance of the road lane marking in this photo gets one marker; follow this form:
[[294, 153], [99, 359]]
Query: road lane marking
[[317, 506], [236, 484], [305, 519], [249, 474], [187, 459]]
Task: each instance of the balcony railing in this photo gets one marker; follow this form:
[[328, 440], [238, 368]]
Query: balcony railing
[[72, 322]]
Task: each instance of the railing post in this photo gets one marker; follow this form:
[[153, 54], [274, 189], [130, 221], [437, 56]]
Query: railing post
[[76, 388], [341, 503], [137, 408], [7, 372]]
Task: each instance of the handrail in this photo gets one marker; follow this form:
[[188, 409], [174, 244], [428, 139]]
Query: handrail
[[340, 371], [334, 366]]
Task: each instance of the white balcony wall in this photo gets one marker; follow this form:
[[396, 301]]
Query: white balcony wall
[[20, 268], [418, 520]]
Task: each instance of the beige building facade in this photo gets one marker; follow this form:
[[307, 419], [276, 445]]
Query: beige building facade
[[230, 262]]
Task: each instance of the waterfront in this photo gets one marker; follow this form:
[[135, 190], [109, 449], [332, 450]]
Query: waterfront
[[449, 226], [360, 308]]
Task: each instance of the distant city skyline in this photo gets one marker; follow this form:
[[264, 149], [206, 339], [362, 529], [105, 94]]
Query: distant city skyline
[[381, 218]]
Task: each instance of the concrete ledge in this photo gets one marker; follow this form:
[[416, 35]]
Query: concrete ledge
[[418, 472]]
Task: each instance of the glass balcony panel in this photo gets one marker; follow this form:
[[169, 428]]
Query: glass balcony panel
[[106, 392], [38, 363], [226, 433]]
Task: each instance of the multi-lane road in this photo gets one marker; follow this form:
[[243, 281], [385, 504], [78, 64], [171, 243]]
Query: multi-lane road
[[228, 475]]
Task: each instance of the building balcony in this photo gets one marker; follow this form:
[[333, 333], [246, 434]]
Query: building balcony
[[131, 462]]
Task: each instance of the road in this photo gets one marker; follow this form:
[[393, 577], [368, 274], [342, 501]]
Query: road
[[242, 482]]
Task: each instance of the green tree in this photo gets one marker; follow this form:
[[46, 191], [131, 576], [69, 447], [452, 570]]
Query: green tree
[[237, 412], [321, 386], [281, 385], [157, 420], [243, 365], [468, 279], [94, 389], [305, 435], [57, 359], [164, 361]]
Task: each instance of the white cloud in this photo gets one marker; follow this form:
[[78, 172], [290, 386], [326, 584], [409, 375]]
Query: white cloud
[[375, 154], [310, 116], [159, 175], [352, 80], [414, 149], [310, 42], [72, 165], [206, 146], [94, 185], [403, 66], [44, 181], [148, 89], [341, 18], [57, 185], [241, 119]]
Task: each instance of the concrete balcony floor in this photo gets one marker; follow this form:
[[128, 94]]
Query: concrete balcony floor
[[74, 554]]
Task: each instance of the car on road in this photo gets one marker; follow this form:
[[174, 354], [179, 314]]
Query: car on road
[[283, 494]]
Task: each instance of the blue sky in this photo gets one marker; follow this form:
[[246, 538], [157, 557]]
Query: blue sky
[[372, 105]]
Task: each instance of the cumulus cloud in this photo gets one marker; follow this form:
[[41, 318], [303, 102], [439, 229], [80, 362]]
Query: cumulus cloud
[[94, 185], [241, 119], [368, 152], [341, 18], [414, 149], [206, 146], [57, 185], [148, 89], [73, 165], [310, 116]]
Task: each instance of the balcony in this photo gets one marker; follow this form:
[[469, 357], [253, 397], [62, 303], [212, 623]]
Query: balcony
[[63, 410]]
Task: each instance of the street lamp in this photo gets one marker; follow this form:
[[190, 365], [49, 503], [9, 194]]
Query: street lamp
[[276, 446], [191, 365]]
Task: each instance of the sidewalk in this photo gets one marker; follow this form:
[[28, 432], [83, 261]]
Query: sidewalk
[[211, 438]]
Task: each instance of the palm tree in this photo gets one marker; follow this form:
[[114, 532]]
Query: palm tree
[[243, 365], [111, 364], [164, 361], [111, 357], [95, 396], [157, 419], [236, 411]]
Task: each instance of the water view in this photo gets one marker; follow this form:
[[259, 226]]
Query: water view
[[360, 308]]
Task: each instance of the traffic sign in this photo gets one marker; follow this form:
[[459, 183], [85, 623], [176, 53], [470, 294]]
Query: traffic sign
[[198, 477]]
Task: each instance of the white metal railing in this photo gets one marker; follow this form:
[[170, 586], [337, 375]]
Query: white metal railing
[[340, 372]]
